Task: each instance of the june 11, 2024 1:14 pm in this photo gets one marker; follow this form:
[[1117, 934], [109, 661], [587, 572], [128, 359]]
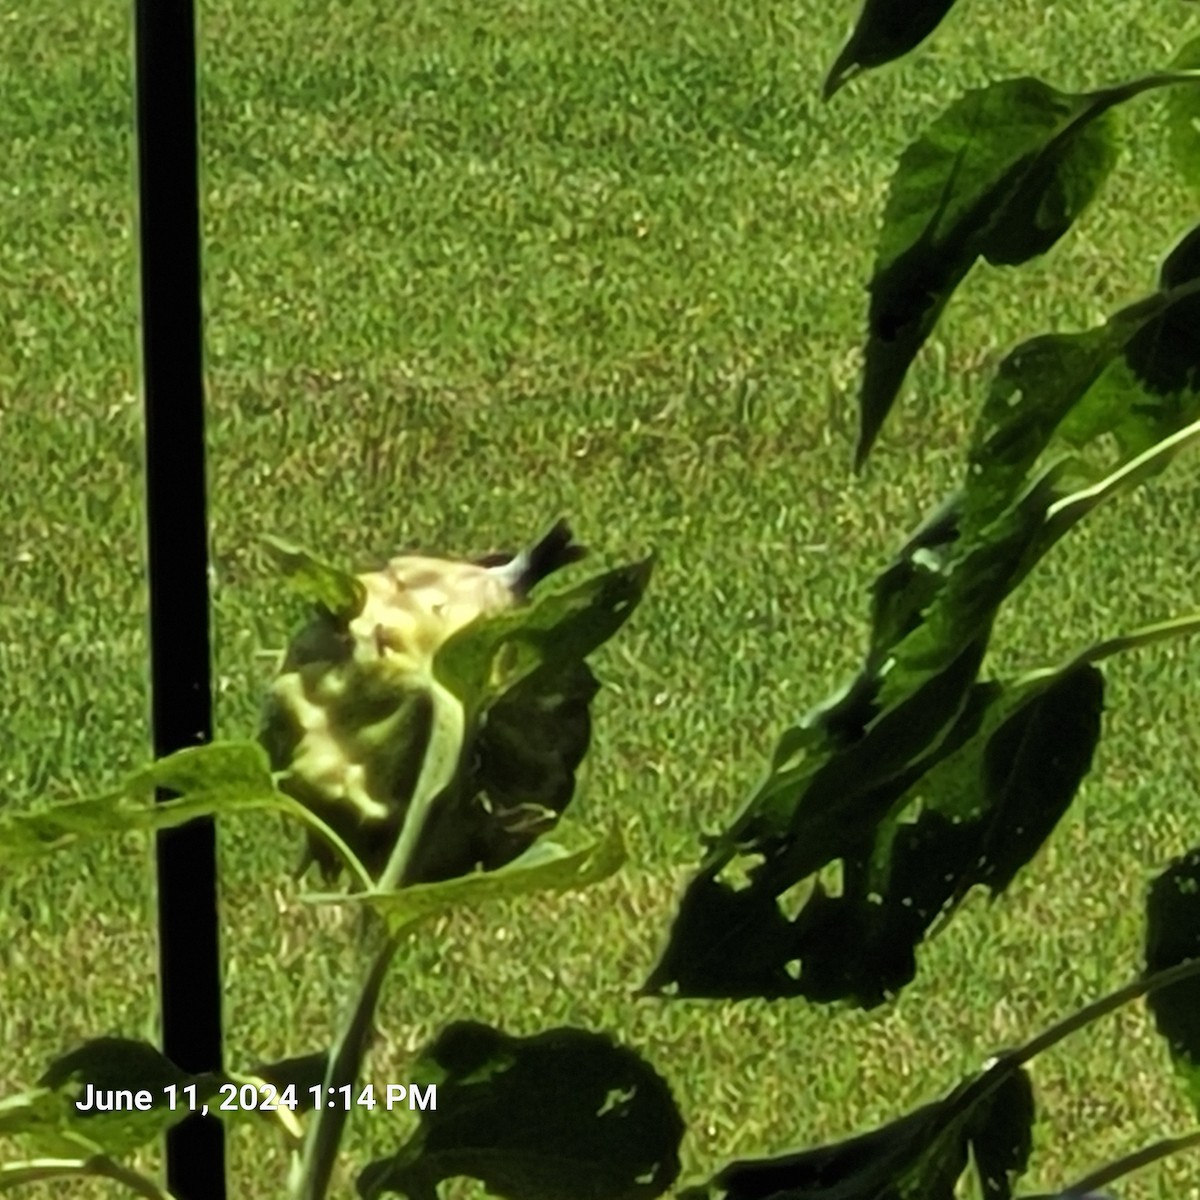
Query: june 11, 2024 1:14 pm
[[263, 1096]]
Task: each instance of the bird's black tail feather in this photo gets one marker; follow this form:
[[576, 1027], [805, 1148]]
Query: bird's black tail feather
[[556, 550], [522, 572]]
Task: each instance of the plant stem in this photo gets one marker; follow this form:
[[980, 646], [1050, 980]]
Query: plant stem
[[40, 1170], [1133, 1162], [1062, 514], [311, 1173], [137, 1183], [1011, 1061], [310, 1178]]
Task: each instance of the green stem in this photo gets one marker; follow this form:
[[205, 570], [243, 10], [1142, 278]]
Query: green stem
[[1147, 635], [137, 1183], [306, 817], [438, 771], [1011, 1061], [41, 1170], [1062, 514], [1134, 1162], [310, 1178]]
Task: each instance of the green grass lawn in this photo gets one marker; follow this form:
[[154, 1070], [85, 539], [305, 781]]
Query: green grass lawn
[[473, 266]]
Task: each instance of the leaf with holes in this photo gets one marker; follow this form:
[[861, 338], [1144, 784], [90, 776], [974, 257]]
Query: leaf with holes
[[562, 1113]]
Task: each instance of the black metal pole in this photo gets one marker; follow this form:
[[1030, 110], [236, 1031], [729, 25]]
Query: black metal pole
[[181, 697]]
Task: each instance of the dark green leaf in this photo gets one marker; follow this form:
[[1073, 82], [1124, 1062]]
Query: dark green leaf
[[970, 813], [1152, 388], [1173, 937], [563, 1114], [1001, 173], [978, 573], [726, 944], [1031, 397], [1016, 778], [525, 759], [924, 1154], [1002, 1136], [1182, 264], [1058, 185], [735, 942], [907, 300], [885, 30], [834, 781], [1136, 378], [117, 1063], [906, 588], [974, 819]]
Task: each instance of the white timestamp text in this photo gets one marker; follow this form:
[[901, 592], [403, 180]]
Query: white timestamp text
[[265, 1097]]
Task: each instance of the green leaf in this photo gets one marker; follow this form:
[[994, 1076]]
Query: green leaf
[[47, 1125], [933, 609], [1173, 937], [1057, 186], [1012, 783], [1135, 379], [217, 779], [1183, 117], [885, 30], [46, 1122], [562, 1113], [976, 818], [908, 843], [835, 779], [925, 1153], [1002, 173], [1030, 399], [336, 593], [237, 766], [524, 759], [114, 1063], [909, 846], [911, 582], [736, 941], [1151, 388], [493, 654], [1001, 1135], [846, 790], [977, 575], [545, 867], [1182, 264]]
